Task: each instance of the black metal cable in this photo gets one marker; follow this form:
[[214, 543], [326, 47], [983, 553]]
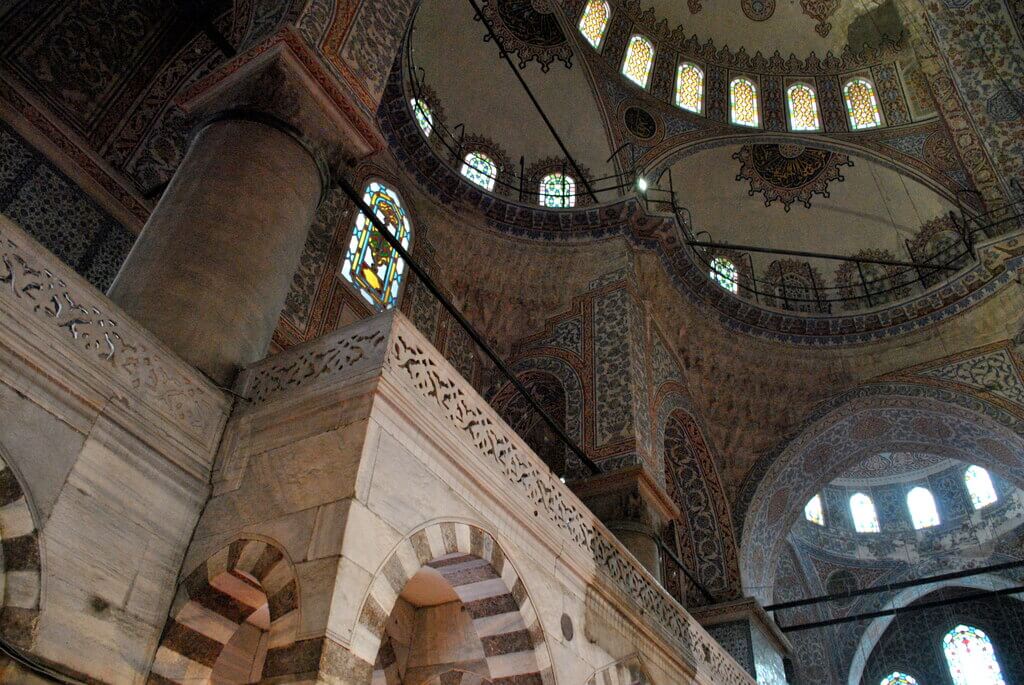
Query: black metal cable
[[503, 53], [428, 282], [994, 568], [905, 610]]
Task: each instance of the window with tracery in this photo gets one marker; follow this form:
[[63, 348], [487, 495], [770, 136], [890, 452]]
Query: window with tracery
[[979, 487], [971, 658], [424, 118], [743, 102], [480, 169], [923, 513], [813, 511], [861, 104], [371, 264], [690, 87], [723, 272], [557, 190], [594, 21], [803, 108], [639, 60], [862, 510], [897, 678]]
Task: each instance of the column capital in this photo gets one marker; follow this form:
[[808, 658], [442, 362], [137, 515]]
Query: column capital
[[281, 82]]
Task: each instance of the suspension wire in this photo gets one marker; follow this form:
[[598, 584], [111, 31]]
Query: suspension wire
[[540, 110], [477, 338], [1018, 589], [993, 568]]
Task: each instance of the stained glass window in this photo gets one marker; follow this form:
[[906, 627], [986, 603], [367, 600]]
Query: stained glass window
[[813, 511], [639, 60], [723, 272], [743, 102], [865, 520], [970, 657], [861, 104], [803, 108], [897, 678], [557, 190], [371, 264], [921, 504], [594, 21], [979, 487], [480, 169], [424, 118], [690, 87]]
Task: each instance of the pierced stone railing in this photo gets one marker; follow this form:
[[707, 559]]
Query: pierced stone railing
[[54, 316], [389, 345]]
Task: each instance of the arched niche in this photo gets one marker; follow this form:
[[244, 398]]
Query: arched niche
[[233, 618], [448, 599]]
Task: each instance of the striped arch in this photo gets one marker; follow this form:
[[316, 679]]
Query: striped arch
[[213, 602], [20, 565], [490, 589]]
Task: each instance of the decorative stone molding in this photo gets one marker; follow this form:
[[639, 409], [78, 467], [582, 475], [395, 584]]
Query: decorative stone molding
[[389, 345], [95, 344]]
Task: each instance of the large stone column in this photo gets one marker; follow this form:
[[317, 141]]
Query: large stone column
[[211, 269]]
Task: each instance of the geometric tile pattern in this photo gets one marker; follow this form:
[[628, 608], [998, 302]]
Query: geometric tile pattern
[[57, 213]]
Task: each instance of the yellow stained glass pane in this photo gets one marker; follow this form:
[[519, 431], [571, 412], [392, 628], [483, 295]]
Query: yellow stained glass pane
[[689, 87], [861, 104], [594, 21], [803, 108], [743, 102], [639, 60]]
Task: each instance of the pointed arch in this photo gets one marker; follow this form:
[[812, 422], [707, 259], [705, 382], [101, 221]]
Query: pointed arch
[[979, 487], [971, 657], [921, 505], [861, 104], [690, 87], [371, 265], [251, 582], [493, 594], [707, 542], [802, 106], [639, 60], [743, 107], [862, 511], [594, 22], [480, 168]]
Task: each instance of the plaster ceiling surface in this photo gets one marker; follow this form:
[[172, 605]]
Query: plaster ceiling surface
[[893, 467], [476, 88], [865, 206], [797, 27]]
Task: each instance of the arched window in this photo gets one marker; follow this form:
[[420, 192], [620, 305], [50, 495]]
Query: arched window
[[813, 511], [480, 169], [371, 264], [979, 487], [861, 104], [862, 509], [803, 108], [743, 102], [897, 678], [594, 21], [690, 87], [723, 272], [921, 504], [970, 657], [424, 118], [639, 60], [557, 190]]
